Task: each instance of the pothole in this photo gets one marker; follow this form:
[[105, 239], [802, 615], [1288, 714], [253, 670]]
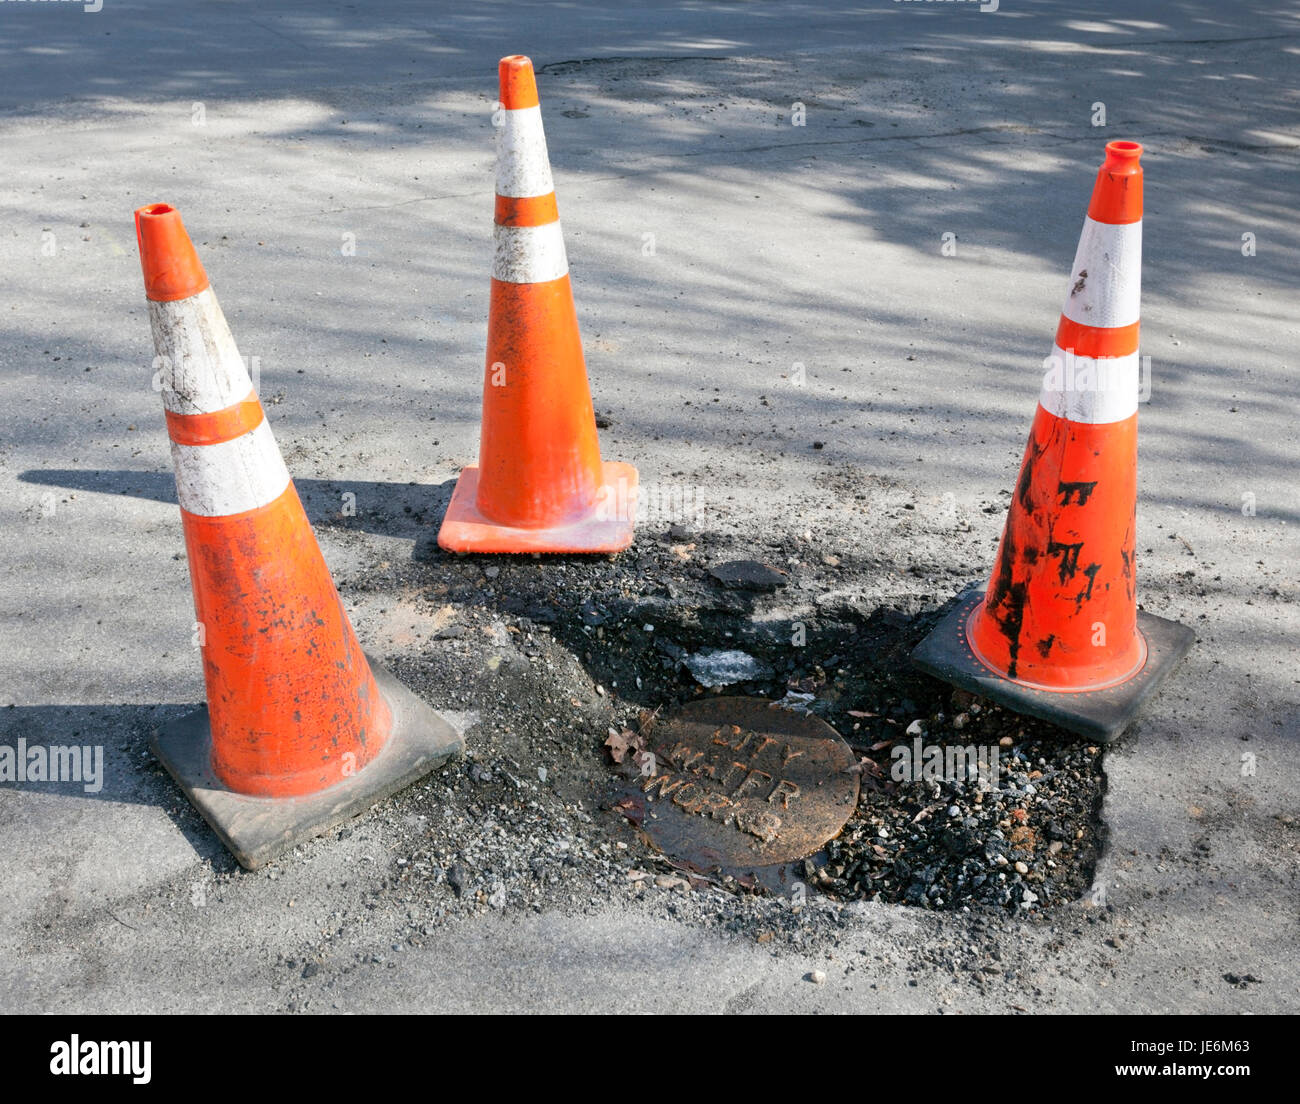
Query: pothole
[[962, 804]]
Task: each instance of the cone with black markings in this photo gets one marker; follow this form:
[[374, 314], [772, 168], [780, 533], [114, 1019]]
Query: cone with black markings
[[1057, 633]]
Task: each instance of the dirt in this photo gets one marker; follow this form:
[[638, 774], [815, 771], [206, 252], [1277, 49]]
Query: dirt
[[547, 656]]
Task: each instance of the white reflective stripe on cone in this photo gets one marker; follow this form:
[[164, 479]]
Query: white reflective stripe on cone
[[1106, 280], [1095, 390], [529, 254], [229, 478], [523, 165], [202, 371]]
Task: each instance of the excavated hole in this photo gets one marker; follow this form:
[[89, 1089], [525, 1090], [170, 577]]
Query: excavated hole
[[853, 671], [1028, 841]]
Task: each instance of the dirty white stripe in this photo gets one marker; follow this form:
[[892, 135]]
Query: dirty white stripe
[[1106, 280], [523, 165], [529, 254], [197, 368], [1095, 390], [229, 478]]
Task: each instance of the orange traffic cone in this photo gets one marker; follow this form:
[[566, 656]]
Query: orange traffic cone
[[299, 731], [1057, 634], [540, 485]]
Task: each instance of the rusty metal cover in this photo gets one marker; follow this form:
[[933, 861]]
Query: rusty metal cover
[[736, 784]]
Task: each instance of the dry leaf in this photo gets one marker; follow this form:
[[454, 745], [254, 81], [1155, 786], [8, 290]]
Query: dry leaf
[[869, 766], [631, 808], [620, 744]]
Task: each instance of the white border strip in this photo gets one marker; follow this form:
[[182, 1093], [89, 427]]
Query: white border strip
[[229, 478], [529, 254], [523, 165], [197, 369], [1095, 390], [1106, 278]]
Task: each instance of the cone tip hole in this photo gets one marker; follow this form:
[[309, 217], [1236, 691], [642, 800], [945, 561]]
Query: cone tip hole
[[516, 61], [157, 209], [1124, 149]]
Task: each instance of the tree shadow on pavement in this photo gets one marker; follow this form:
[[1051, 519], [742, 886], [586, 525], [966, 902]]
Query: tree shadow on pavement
[[116, 737], [392, 509]]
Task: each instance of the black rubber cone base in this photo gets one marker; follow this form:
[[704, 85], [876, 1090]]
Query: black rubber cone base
[[257, 829], [1101, 715]]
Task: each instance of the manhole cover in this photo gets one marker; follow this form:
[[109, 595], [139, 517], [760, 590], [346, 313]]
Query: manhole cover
[[735, 784]]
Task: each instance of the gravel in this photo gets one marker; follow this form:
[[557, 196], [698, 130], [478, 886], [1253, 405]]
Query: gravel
[[553, 654]]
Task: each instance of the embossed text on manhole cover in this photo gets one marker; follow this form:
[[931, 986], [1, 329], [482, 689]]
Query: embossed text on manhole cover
[[733, 784]]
